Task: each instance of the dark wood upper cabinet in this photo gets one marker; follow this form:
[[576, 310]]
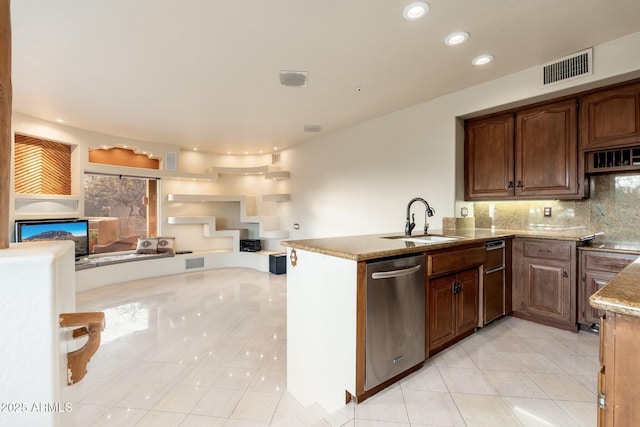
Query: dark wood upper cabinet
[[546, 150], [546, 162], [530, 153], [489, 158], [610, 118]]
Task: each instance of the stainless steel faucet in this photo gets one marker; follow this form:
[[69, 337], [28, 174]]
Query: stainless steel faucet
[[411, 223]]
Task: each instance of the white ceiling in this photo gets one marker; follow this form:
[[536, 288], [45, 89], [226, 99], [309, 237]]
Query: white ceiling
[[204, 73]]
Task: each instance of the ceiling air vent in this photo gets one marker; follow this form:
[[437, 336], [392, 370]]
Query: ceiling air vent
[[293, 78], [570, 67], [312, 128]]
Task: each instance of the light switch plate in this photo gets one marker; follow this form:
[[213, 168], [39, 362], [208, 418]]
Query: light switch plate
[[547, 212]]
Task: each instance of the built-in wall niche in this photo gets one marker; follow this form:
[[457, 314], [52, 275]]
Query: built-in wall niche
[[41, 166], [117, 156]]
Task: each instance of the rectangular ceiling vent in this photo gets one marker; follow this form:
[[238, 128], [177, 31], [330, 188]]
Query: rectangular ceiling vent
[[570, 67], [293, 78], [312, 128]]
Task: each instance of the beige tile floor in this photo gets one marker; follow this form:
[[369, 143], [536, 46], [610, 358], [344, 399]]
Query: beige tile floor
[[209, 349]]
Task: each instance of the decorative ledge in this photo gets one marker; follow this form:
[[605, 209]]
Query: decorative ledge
[[208, 227], [276, 198], [278, 175], [266, 170], [37, 206], [268, 226]]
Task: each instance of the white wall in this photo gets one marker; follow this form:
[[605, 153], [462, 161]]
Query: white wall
[[360, 179], [188, 236]]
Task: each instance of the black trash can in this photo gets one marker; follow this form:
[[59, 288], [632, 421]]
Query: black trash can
[[278, 263]]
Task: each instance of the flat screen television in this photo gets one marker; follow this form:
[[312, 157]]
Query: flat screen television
[[56, 229]]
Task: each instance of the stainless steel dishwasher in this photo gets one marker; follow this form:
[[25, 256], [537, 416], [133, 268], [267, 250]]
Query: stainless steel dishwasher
[[395, 322]]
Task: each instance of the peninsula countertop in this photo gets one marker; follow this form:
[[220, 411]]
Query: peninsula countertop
[[373, 246], [622, 294]]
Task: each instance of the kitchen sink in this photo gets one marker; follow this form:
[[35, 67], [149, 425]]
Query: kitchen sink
[[425, 239]]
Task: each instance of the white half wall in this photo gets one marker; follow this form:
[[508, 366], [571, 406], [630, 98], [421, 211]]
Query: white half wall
[[38, 283]]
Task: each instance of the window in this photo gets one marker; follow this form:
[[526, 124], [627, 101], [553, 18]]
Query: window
[[120, 209]]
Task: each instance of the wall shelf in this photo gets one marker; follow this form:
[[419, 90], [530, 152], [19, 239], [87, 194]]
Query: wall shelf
[[213, 174], [268, 226], [209, 227], [40, 206], [276, 198], [278, 175], [266, 170]]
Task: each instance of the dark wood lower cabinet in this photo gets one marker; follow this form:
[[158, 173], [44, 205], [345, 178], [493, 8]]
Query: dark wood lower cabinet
[[453, 308], [597, 268], [544, 282], [619, 376]]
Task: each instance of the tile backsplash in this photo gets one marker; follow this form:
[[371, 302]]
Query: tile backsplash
[[611, 208]]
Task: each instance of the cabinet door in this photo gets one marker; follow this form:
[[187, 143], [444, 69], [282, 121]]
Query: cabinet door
[[611, 118], [592, 282], [548, 289], [467, 300], [546, 162], [494, 295], [596, 269], [442, 320], [489, 158], [621, 370]]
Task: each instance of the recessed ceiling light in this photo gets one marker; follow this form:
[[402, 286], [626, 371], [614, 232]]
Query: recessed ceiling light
[[195, 148], [482, 59], [456, 38], [415, 10], [275, 148]]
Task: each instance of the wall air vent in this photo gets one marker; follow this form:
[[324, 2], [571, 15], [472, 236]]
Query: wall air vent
[[194, 263], [570, 67]]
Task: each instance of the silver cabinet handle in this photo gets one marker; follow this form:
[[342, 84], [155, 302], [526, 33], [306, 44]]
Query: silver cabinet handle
[[396, 273]]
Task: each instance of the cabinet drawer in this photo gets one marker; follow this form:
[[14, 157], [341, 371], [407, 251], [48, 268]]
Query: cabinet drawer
[[609, 262], [495, 258], [550, 250], [454, 260]]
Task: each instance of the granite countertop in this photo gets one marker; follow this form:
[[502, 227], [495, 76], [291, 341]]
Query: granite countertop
[[609, 246], [367, 247], [622, 294]]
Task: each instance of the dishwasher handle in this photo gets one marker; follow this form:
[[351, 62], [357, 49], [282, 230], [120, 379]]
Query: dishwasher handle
[[496, 244], [395, 273]]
